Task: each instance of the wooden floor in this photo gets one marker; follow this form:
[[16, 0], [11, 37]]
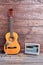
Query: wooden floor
[[21, 59]]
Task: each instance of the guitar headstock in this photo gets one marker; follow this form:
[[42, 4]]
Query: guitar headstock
[[10, 12]]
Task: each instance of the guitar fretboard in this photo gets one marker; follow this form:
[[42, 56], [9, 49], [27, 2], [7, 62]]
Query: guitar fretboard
[[11, 26]]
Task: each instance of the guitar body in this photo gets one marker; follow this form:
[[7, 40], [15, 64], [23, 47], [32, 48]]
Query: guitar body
[[12, 46]]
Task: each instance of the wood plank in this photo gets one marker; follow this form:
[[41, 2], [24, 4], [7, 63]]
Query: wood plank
[[23, 1], [29, 23], [34, 38], [21, 59], [26, 30], [17, 22]]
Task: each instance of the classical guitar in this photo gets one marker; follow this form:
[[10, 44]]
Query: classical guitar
[[12, 45]]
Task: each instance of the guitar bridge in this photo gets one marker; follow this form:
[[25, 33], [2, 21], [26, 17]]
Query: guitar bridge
[[11, 47]]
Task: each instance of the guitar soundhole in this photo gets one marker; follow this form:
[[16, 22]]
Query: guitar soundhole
[[12, 47], [12, 37]]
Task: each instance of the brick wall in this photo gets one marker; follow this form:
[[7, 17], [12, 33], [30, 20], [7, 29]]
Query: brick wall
[[28, 21]]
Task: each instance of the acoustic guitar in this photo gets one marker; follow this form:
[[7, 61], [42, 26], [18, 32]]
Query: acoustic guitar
[[12, 45]]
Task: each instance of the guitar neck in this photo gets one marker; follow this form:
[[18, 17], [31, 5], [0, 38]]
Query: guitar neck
[[11, 21], [11, 26]]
